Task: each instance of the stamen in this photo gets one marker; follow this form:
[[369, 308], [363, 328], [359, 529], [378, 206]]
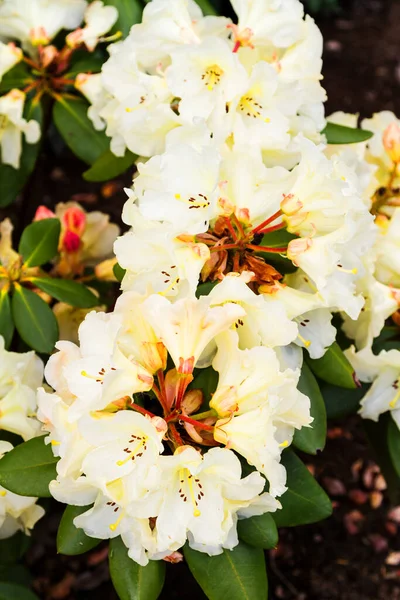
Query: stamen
[[132, 454], [307, 343], [351, 271], [284, 444], [212, 77], [184, 477], [114, 526], [395, 400]]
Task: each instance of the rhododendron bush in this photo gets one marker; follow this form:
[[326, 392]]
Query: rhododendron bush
[[255, 291]]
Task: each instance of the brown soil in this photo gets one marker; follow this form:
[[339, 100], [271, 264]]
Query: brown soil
[[345, 556]]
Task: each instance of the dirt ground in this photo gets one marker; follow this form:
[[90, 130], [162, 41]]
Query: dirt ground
[[345, 557]]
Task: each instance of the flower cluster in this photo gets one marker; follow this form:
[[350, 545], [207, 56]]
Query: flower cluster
[[378, 164], [246, 233], [20, 375], [34, 24], [258, 79]]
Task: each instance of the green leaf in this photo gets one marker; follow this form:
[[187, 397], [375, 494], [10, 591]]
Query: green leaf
[[28, 468], [311, 439], [13, 548], [305, 501], [340, 402], [339, 134], [394, 444], [13, 180], [131, 581], [17, 77], [205, 288], [207, 7], [259, 531], [13, 591], [119, 272], [334, 368], [129, 13], [72, 540], [71, 292], [6, 320], [39, 242], [75, 127], [109, 166], [237, 574], [34, 320], [91, 63]]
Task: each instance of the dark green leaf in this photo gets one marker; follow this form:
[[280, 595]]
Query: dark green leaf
[[334, 368], [119, 272], [237, 574], [388, 334], [6, 321], [205, 288], [129, 13], [394, 444], [17, 77], [39, 242], [109, 166], [34, 320], [131, 581], [207, 7], [13, 548], [88, 64], [259, 531], [311, 439], [13, 591], [305, 501], [71, 292], [75, 127], [28, 468], [340, 402], [15, 573], [70, 539], [13, 180], [339, 134]]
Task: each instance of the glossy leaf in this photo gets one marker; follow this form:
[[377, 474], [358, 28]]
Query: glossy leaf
[[334, 368], [207, 7], [89, 63], [71, 292], [311, 439], [393, 436], [207, 381], [75, 127], [339, 134], [129, 13], [72, 540], [34, 320], [108, 166], [13, 591], [203, 289], [39, 242], [259, 531], [13, 180], [340, 402], [237, 574], [28, 468], [119, 272], [131, 581], [17, 77], [305, 501], [13, 548], [6, 320]]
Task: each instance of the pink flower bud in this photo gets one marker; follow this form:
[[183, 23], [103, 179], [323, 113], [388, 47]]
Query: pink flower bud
[[42, 212]]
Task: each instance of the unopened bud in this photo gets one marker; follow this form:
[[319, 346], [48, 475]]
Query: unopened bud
[[290, 205], [74, 219], [42, 212], [71, 242], [391, 141], [39, 36], [105, 270], [298, 247], [48, 55], [192, 401]]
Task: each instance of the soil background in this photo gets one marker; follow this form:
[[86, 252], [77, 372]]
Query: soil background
[[345, 557]]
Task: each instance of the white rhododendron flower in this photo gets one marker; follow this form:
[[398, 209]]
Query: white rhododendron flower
[[258, 79], [383, 370], [13, 125], [10, 55], [37, 22], [20, 375], [99, 20], [17, 513]]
